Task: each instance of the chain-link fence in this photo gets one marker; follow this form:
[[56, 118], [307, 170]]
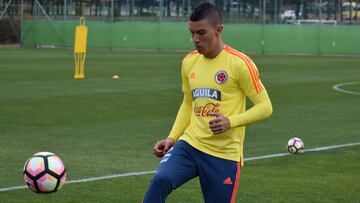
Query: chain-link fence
[[333, 12], [234, 11]]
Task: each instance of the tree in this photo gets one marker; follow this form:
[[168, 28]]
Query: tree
[[177, 8], [78, 7], [168, 9], [117, 12]]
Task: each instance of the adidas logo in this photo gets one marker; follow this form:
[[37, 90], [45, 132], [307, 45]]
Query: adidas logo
[[193, 76], [228, 181]]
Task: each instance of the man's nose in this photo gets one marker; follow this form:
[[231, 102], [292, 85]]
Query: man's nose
[[195, 38]]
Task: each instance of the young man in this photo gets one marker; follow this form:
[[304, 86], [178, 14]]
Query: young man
[[209, 128]]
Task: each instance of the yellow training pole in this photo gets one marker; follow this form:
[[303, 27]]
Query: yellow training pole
[[80, 49]]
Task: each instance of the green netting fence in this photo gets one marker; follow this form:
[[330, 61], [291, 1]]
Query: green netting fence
[[302, 39]]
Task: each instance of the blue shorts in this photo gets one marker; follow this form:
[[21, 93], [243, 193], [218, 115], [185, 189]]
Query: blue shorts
[[219, 178]]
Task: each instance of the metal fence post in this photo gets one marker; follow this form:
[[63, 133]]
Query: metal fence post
[[275, 12], [112, 10], [65, 10], [264, 11], [22, 24], [160, 10]]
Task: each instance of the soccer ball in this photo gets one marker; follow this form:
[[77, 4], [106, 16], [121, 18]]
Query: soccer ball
[[44, 172], [295, 145]]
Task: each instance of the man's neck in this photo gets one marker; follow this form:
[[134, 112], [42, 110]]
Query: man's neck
[[217, 50]]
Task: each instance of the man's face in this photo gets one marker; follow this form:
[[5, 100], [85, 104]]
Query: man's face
[[205, 35]]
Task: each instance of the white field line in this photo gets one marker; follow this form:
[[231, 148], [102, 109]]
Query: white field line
[[151, 172], [337, 87]]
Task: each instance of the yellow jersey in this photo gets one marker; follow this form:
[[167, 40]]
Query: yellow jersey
[[219, 84]]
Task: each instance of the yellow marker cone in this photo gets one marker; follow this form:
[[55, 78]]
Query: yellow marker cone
[[80, 49]]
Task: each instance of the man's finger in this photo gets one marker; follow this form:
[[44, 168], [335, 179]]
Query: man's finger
[[158, 154], [218, 129], [158, 147], [215, 120], [214, 113], [166, 149], [216, 125], [157, 151], [217, 132]]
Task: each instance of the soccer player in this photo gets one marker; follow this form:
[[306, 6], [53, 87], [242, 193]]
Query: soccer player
[[207, 138]]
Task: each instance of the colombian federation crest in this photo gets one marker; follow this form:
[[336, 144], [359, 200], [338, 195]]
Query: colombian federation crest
[[221, 77]]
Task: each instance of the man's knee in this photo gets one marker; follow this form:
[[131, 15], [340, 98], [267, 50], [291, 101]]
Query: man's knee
[[164, 180]]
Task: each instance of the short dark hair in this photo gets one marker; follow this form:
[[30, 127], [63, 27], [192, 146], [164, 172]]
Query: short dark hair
[[206, 10]]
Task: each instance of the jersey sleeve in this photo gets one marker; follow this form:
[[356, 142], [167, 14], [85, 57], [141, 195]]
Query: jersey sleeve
[[183, 116], [184, 78], [249, 80], [261, 110], [250, 83], [182, 119]]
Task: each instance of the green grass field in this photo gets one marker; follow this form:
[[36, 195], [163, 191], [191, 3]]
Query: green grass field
[[100, 126]]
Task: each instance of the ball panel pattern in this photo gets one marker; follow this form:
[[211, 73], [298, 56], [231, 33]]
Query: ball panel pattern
[[47, 183], [295, 145], [56, 165], [35, 166], [44, 172]]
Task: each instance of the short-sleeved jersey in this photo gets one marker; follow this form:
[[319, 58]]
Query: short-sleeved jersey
[[220, 84]]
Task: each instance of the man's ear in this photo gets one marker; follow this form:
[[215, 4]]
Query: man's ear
[[219, 29]]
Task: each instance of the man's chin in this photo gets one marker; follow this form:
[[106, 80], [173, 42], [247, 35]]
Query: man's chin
[[200, 50]]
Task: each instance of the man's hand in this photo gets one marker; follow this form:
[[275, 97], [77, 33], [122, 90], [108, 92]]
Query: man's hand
[[163, 146], [220, 124]]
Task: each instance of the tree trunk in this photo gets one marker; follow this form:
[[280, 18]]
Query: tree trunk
[[305, 10], [168, 8], [177, 8]]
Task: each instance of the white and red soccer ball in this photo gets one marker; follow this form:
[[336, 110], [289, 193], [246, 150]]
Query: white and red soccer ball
[[44, 172], [295, 146]]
